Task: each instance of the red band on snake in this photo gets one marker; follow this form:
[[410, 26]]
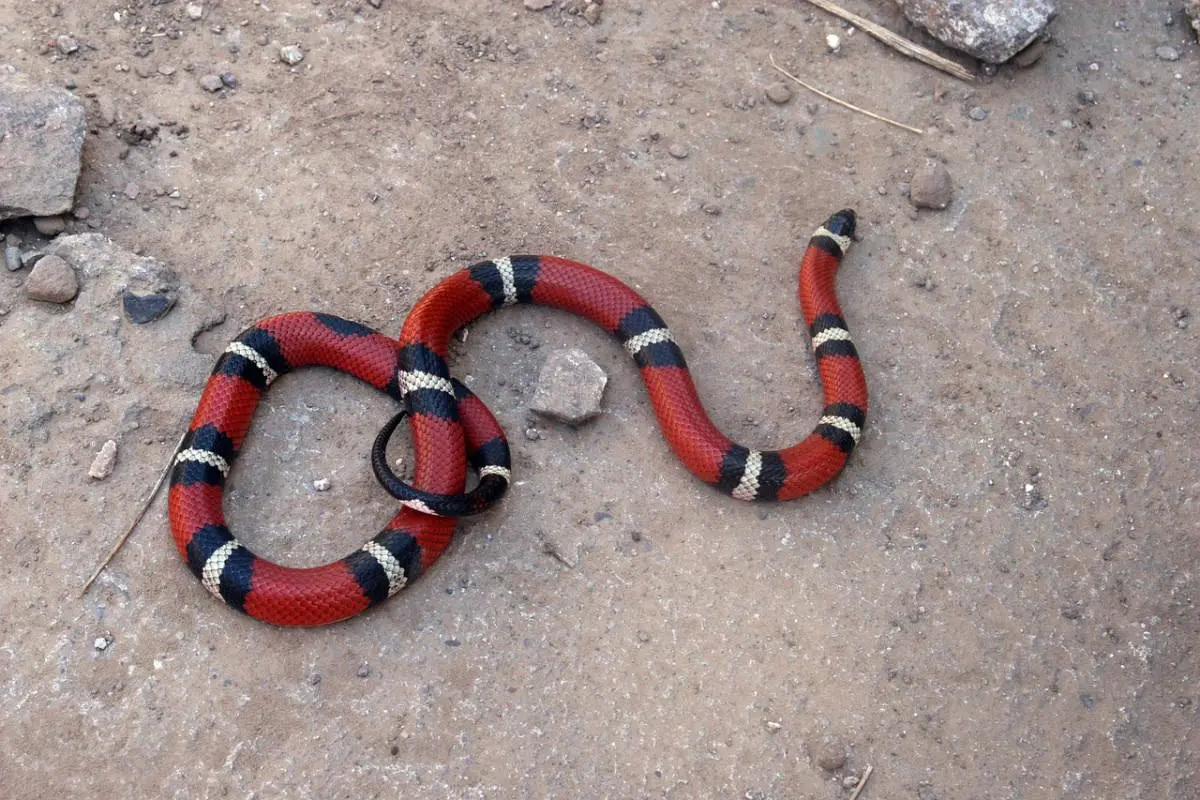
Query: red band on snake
[[445, 425]]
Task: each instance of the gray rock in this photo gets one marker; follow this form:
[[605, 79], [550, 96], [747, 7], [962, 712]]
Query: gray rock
[[160, 353], [53, 280], [570, 388], [931, 187], [49, 226], [211, 83], [1167, 53], [779, 93], [831, 756], [42, 131], [990, 30], [12, 254]]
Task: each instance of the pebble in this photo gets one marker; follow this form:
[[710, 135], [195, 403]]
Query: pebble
[[364, 669], [591, 13], [570, 387], [211, 83], [779, 93], [322, 484], [49, 226], [978, 113], [229, 79], [290, 54], [66, 44], [141, 308], [132, 191], [12, 253], [833, 42], [538, 5], [194, 10], [52, 280], [1167, 53], [678, 151], [831, 756], [102, 643], [105, 460], [931, 187]]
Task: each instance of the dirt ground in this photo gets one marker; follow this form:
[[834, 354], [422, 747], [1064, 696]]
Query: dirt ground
[[997, 599]]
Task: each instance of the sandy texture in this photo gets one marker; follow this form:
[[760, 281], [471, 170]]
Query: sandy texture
[[998, 597]]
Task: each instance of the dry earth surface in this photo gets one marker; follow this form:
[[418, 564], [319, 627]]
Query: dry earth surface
[[997, 599]]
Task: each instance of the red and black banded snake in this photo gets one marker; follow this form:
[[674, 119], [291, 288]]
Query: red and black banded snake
[[448, 423]]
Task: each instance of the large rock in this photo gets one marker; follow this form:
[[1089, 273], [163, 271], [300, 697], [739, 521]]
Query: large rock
[[41, 138], [990, 30]]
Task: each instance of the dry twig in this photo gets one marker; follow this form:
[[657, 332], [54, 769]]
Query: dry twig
[[862, 782], [129, 531], [898, 42], [843, 103]]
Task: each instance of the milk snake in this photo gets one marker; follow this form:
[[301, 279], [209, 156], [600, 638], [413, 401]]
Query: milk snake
[[447, 422]]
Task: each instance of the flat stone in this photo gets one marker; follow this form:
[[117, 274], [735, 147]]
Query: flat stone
[[42, 128], [538, 5], [211, 83], [53, 280], [570, 387], [990, 30]]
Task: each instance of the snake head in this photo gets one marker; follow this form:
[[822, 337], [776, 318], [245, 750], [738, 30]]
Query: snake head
[[842, 223]]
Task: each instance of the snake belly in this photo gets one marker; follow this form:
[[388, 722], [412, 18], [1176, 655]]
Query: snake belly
[[446, 427]]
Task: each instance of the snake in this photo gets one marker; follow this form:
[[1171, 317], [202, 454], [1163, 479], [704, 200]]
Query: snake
[[451, 427]]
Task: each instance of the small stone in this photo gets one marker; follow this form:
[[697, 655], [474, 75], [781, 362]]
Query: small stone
[[678, 151], [849, 781], [105, 460], [66, 44], [831, 756], [375, 3], [290, 54], [194, 10], [712, 209], [931, 187], [211, 83], [142, 308], [12, 254], [229, 79], [591, 13], [82, 212], [833, 42], [102, 643], [49, 226], [978, 113], [52, 280], [31, 257], [1085, 97], [132, 191], [570, 387], [166, 70], [364, 669], [779, 93], [322, 484], [538, 5], [1167, 53]]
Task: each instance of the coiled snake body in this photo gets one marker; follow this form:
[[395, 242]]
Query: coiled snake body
[[447, 422]]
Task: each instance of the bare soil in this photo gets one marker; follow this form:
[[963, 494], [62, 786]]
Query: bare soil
[[997, 599]]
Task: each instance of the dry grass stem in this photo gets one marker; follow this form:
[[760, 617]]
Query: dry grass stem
[[843, 103]]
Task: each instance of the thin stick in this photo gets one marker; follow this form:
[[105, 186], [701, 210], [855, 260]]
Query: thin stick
[[136, 520], [862, 782], [898, 42], [843, 103]]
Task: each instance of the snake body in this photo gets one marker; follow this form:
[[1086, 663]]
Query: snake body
[[448, 423]]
